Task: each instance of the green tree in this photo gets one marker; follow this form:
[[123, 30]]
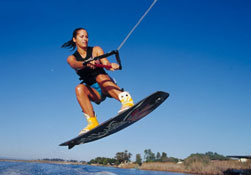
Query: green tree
[[193, 158], [172, 159], [149, 155], [163, 157], [105, 161], [158, 157], [122, 157], [112, 161], [102, 161], [216, 156], [138, 159]]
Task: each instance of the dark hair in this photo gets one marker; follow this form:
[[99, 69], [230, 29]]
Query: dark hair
[[71, 44]]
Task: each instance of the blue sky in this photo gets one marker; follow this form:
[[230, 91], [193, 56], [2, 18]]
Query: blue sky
[[198, 51]]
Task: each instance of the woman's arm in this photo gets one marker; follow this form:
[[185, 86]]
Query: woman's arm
[[97, 51], [77, 65]]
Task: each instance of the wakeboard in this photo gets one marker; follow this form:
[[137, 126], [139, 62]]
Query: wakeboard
[[121, 121]]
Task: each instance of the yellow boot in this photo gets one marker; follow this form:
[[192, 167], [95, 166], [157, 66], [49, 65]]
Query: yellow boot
[[126, 100], [92, 123]]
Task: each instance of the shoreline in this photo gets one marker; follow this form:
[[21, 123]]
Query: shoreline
[[214, 168], [123, 166]]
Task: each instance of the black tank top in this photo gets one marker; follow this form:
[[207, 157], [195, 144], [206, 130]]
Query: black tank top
[[87, 74]]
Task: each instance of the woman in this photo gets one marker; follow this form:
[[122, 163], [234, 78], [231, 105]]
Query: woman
[[96, 85]]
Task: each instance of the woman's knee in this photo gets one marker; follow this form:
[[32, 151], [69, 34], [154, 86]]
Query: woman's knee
[[81, 89]]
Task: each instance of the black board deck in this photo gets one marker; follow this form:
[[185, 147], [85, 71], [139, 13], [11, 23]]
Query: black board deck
[[121, 121]]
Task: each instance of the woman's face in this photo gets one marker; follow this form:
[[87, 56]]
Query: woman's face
[[81, 39]]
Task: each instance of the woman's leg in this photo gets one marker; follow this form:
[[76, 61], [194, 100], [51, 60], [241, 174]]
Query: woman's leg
[[108, 86], [85, 95]]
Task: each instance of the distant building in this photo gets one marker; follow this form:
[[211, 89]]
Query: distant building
[[241, 158], [179, 162]]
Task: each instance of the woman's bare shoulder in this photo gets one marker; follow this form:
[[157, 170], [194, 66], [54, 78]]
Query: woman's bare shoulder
[[71, 58], [97, 50]]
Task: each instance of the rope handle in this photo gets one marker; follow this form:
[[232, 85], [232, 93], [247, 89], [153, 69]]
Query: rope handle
[[114, 52]]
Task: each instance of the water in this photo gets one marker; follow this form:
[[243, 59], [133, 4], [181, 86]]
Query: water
[[23, 168]]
